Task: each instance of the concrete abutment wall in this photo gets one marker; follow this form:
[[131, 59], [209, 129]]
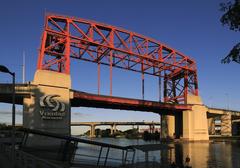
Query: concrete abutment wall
[[48, 108], [195, 125]]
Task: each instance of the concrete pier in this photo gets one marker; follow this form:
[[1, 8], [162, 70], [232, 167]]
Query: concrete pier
[[171, 126], [211, 126], [48, 107], [195, 126], [92, 131], [226, 124], [190, 125]]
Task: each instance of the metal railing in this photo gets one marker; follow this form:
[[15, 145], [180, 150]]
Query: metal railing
[[68, 149], [100, 154], [26, 160]]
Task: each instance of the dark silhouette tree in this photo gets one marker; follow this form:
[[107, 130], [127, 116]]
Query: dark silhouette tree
[[231, 18]]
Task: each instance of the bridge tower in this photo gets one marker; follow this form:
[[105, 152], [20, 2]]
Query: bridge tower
[[49, 108]]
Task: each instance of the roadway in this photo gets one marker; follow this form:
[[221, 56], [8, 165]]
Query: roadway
[[83, 99]]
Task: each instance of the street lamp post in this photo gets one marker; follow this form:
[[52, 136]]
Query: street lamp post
[[6, 70]]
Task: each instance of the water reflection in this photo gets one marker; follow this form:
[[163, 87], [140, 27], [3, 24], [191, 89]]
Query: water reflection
[[209, 155], [201, 154]]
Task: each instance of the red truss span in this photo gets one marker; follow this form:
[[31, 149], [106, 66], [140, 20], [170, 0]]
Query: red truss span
[[69, 37]]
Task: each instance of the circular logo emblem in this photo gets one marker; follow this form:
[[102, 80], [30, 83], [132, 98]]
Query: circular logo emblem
[[51, 108]]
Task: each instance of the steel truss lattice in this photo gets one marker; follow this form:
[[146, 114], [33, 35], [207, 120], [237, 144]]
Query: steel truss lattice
[[69, 37]]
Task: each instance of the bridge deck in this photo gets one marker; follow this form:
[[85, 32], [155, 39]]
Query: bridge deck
[[82, 99], [219, 111], [21, 90]]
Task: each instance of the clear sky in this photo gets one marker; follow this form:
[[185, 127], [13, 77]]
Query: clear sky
[[192, 27]]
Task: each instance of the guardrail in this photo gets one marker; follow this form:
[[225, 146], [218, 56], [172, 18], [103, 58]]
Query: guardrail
[[67, 153], [67, 150], [26, 160], [71, 144]]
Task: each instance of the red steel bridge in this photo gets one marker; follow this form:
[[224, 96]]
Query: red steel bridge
[[68, 38]]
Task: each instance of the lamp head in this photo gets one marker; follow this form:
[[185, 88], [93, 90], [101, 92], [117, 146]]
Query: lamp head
[[4, 69]]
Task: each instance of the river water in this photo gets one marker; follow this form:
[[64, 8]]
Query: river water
[[214, 154]]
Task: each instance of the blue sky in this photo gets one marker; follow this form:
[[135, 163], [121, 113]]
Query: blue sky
[[192, 27]]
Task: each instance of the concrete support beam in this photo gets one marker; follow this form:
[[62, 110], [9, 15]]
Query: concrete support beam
[[226, 124]]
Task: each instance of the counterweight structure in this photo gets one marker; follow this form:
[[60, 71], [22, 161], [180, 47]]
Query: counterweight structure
[[65, 38]]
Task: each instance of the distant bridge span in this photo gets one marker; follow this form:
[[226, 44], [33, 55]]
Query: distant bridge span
[[113, 123], [99, 123]]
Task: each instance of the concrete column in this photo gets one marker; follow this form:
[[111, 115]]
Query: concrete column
[[178, 125], [164, 126], [235, 128], [171, 126], [195, 125], [150, 128], [92, 131], [114, 128], [211, 126], [111, 130], [226, 124]]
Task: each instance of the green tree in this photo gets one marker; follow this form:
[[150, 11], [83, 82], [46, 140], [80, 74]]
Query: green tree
[[231, 18]]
